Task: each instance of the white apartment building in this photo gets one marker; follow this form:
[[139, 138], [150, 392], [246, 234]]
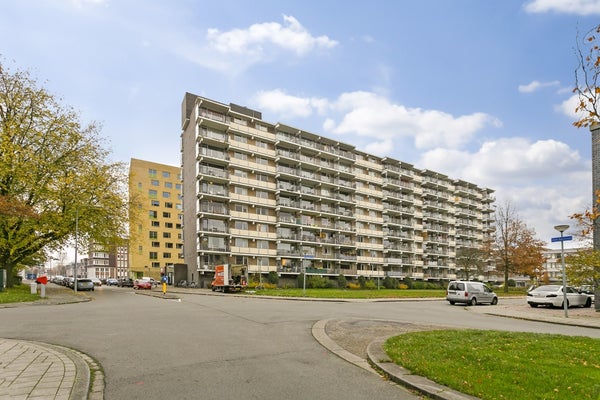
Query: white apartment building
[[276, 198]]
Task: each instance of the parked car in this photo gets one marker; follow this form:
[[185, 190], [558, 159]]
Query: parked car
[[112, 282], [126, 283], [553, 296], [142, 284], [84, 284], [96, 281], [470, 293]]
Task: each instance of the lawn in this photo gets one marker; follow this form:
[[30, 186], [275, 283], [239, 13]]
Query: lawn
[[503, 365], [16, 294]]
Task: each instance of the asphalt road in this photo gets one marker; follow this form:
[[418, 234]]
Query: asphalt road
[[226, 347]]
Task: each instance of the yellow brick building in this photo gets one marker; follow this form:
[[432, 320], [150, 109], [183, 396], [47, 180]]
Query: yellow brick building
[[155, 225]]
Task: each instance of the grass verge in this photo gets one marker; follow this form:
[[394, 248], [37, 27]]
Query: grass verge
[[17, 294], [353, 294], [503, 365], [361, 293]]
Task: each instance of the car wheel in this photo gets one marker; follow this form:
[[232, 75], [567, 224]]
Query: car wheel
[[494, 301], [588, 303], [562, 305], [534, 305], [451, 302], [473, 302]]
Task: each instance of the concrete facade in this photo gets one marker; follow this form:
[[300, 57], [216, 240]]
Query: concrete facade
[[279, 199]]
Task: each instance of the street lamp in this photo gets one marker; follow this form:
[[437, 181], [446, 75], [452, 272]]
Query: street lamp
[[76, 234], [561, 229]]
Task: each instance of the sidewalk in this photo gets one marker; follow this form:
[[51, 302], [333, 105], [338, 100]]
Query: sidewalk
[[40, 371]]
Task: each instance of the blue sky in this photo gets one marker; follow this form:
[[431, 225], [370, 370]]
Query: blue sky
[[478, 90]]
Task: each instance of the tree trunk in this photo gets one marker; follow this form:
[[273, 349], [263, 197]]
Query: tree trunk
[[595, 130], [9, 275]]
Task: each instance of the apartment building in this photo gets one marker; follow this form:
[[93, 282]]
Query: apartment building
[[155, 225], [105, 262], [273, 197]]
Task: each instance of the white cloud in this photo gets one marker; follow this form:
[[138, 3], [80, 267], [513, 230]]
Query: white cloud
[[291, 36], [536, 85], [373, 116], [568, 107], [369, 114], [235, 50], [507, 161], [578, 7], [287, 106]]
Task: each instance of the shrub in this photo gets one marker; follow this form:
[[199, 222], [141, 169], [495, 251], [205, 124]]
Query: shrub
[[402, 286], [273, 278], [341, 281], [390, 283], [353, 286], [362, 281], [370, 284], [406, 281]]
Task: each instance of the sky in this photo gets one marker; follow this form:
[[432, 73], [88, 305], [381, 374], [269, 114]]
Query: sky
[[477, 90]]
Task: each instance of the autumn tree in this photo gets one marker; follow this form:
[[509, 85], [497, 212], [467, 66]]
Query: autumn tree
[[583, 266], [54, 173], [516, 249]]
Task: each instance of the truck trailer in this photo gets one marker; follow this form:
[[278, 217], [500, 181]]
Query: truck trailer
[[229, 278]]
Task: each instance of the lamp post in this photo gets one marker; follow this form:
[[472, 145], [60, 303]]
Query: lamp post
[[76, 234], [561, 229]]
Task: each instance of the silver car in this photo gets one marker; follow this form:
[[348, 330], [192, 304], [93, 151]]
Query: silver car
[[553, 296], [470, 293], [85, 284]]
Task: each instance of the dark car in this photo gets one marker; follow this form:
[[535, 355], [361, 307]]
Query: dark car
[[126, 283]]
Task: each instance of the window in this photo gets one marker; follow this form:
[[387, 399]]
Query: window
[[169, 245], [152, 194], [240, 173], [178, 186], [261, 144], [262, 177], [155, 244], [239, 138], [167, 235], [169, 185], [241, 208], [155, 224], [153, 214], [240, 156], [262, 228], [154, 203], [166, 255], [166, 174], [243, 225], [168, 225], [154, 182], [242, 191], [261, 194], [153, 235], [241, 242], [262, 244], [166, 195], [168, 204], [152, 173], [262, 161], [153, 255], [166, 215], [262, 211]]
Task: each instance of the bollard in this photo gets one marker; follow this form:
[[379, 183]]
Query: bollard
[[33, 287], [42, 291]]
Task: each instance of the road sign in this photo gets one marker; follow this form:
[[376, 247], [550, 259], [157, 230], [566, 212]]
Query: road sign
[[562, 238]]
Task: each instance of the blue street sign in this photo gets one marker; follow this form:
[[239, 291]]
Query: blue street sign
[[562, 238]]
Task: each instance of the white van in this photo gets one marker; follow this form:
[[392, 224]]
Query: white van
[[470, 293]]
